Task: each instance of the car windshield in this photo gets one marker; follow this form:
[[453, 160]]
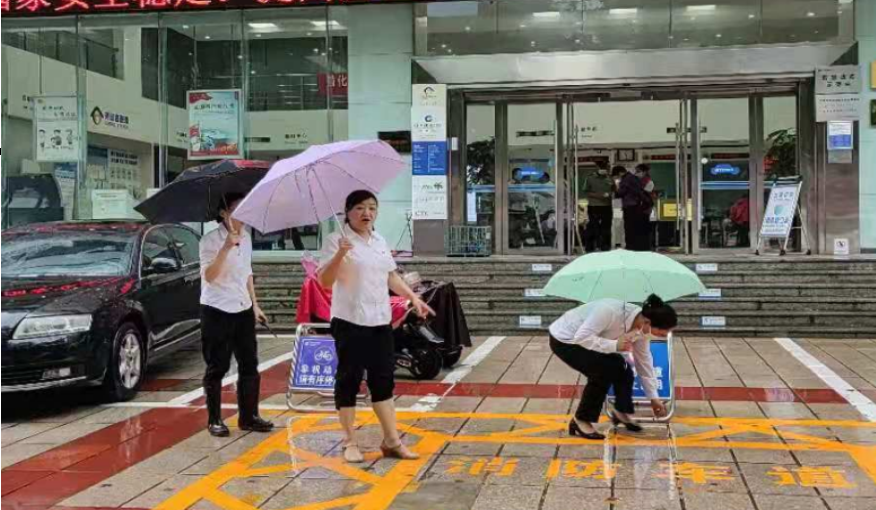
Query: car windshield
[[67, 253]]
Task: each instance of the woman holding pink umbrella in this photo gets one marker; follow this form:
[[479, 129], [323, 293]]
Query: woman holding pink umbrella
[[358, 266]]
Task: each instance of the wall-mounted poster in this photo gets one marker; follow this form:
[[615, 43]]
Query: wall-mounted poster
[[215, 124], [56, 128]]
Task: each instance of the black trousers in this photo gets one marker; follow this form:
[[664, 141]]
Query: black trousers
[[361, 349], [224, 334], [603, 371], [598, 233], [636, 227]]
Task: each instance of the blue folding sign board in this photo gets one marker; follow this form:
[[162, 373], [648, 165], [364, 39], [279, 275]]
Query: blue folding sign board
[[315, 365], [660, 353]]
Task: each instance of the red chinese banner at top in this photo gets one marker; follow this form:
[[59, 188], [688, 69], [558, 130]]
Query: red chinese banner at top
[[36, 8]]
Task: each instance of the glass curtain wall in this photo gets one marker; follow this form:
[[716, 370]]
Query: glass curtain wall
[[525, 26], [123, 82]]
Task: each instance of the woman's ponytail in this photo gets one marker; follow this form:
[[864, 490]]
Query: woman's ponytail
[[661, 315]]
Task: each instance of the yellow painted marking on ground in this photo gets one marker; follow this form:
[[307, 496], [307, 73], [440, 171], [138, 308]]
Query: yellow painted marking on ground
[[401, 478]]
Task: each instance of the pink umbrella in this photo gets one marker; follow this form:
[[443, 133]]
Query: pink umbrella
[[313, 186]]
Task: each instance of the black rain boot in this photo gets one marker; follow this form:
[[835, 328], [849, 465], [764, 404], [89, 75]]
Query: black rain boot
[[215, 425], [248, 406]]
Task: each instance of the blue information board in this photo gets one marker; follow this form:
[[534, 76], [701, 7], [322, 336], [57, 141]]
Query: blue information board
[[316, 364], [660, 353], [429, 158]]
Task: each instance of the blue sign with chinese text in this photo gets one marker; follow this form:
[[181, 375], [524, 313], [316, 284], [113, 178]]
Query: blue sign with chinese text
[[315, 365], [662, 369], [429, 158]]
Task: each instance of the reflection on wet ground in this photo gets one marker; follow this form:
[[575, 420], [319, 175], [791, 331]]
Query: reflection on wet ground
[[527, 461]]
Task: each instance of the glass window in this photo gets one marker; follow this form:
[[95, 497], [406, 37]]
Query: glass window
[[705, 23], [188, 245], [793, 21], [158, 244], [480, 161]]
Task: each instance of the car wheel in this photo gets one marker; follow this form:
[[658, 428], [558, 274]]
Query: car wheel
[[124, 372]]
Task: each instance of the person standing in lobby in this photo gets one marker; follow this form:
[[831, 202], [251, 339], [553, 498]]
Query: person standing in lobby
[[597, 190], [229, 312], [636, 203]]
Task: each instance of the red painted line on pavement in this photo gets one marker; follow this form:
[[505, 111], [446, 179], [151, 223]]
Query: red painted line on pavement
[[161, 384], [43, 481], [812, 396]]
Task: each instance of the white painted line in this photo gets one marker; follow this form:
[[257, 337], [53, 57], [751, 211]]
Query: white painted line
[[198, 393], [864, 405], [430, 402]]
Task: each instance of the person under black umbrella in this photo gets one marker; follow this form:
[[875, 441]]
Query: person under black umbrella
[[229, 312]]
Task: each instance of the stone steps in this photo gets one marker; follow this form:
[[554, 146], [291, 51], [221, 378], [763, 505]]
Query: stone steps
[[815, 296]]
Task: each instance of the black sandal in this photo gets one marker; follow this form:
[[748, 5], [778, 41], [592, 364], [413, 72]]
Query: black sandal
[[575, 430], [632, 427]]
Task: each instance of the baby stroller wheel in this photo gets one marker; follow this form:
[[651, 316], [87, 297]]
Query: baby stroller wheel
[[425, 364], [451, 357]]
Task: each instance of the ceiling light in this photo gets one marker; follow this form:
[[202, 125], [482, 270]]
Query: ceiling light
[[810, 14], [623, 12], [207, 37], [331, 24], [719, 36], [702, 8], [523, 25], [258, 35], [546, 15], [468, 29], [263, 26], [444, 46], [752, 16], [185, 27]]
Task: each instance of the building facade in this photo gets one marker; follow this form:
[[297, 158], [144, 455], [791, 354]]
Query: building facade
[[105, 101]]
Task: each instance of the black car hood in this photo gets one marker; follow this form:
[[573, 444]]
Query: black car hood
[[46, 296]]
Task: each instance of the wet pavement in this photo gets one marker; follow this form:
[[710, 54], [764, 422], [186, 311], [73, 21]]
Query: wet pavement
[[760, 424]]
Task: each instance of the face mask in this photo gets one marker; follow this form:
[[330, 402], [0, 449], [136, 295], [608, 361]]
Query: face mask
[[602, 172]]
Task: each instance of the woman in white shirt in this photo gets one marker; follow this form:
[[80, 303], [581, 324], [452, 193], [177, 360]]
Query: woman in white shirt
[[358, 266], [598, 339]]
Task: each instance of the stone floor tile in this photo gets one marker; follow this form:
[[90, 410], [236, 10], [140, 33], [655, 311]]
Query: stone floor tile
[[24, 431], [816, 458], [160, 493], [760, 482], [583, 451], [65, 433], [113, 415], [437, 496], [508, 497], [698, 408], [528, 471], [765, 502], [117, 490], [254, 491], [721, 455], [303, 492], [703, 500], [849, 504], [560, 498], [737, 410], [13, 454], [752, 456], [498, 405], [457, 468], [787, 410], [458, 404], [628, 499], [528, 450]]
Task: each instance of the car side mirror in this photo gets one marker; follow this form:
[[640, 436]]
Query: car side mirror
[[161, 265]]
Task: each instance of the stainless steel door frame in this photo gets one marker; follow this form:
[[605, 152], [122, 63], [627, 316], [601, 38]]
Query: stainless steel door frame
[[695, 169], [503, 170], [756, 177]]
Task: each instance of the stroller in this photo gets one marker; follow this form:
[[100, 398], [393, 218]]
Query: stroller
[[418, 348]]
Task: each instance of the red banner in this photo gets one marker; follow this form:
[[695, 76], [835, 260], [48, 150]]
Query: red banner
[[31, 8], [338, 82]]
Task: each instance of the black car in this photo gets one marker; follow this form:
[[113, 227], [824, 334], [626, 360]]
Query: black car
[[91, 303]]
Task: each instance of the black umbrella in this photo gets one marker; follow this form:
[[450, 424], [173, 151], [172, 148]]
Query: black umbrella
[[195, 196]]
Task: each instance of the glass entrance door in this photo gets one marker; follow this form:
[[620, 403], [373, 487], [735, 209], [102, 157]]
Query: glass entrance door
[[529, 177]]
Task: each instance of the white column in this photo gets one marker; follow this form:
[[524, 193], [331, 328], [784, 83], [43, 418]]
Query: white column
[[865, 19], [380, 51]]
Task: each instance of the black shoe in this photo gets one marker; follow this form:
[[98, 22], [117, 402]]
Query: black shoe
[[632, 427], [218, 429], [256, 424], [575, 430]]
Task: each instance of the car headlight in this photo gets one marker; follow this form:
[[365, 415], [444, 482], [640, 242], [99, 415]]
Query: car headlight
[[34, 327]]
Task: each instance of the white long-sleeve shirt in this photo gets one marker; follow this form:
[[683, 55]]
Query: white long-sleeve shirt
[[598, 325]]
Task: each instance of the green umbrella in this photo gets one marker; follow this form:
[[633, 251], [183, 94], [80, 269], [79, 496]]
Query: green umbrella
[[628, 276]]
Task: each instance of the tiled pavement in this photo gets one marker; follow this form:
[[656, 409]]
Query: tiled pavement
[[755, 429]]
